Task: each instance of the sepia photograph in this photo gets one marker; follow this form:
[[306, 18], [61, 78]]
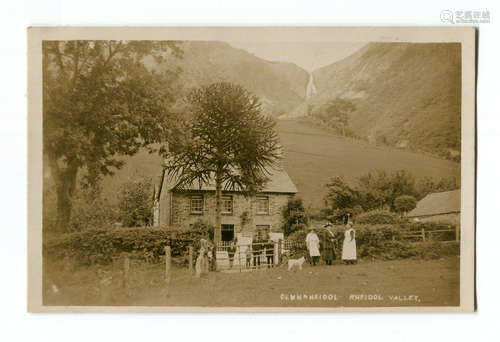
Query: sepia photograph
[[292, 169]]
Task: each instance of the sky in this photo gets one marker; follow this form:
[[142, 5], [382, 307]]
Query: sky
[[307, 55]]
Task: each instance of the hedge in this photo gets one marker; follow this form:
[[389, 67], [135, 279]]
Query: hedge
[[377, 217], [379, 242], [101, 246]]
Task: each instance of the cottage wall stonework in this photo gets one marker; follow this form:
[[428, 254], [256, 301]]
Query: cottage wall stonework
[[175, 210]]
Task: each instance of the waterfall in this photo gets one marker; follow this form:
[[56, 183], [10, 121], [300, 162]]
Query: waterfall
[[311, 88]]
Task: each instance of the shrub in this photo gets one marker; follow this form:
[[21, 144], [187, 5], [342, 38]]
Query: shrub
[[404, 204], [136, 203], [294, 216], [297, 242], [342, 215], [101, 246], [377, 217], [90, 209]]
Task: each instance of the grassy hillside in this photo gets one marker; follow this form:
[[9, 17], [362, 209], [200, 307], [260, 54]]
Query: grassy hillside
[[281, 86], [402, 92], [312, 155]]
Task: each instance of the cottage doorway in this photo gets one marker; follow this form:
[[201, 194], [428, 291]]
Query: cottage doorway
[[227, 232]]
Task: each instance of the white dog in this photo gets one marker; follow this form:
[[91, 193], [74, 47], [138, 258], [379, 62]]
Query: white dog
[[296, 262]]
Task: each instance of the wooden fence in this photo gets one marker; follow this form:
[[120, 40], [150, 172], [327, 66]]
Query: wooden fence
[[247, 257], [442, 235]]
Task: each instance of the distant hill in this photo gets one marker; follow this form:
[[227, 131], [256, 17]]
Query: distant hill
[[280, 86], [401, 91], [405, 93]]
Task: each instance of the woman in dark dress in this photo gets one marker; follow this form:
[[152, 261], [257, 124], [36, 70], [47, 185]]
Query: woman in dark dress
[[328, 245]]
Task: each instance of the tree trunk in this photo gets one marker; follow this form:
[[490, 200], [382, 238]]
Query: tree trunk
[[65, 182], [218, 209]]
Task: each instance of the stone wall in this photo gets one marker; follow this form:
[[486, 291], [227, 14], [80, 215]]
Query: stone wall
[[242, 207], [450, 217]]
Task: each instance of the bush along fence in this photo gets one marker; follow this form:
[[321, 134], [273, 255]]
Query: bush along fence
[[148, 244], [388, 242]]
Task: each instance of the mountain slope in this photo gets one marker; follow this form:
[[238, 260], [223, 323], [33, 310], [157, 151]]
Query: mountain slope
[[280, 86], [402, 91]]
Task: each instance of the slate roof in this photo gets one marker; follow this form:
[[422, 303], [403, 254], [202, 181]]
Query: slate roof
[[279, 182], [437, 203]]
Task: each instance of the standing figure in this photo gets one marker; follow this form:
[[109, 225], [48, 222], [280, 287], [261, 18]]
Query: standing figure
[[349, 245], [202, 265], [256, 252], [248, 256], [232, 251], [312, 243], [328, 248], [269, 253]]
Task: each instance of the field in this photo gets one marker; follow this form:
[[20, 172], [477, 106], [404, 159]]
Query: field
[[380, 283], [312, 155]]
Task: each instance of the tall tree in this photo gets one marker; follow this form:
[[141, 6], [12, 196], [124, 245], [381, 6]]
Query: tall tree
[[99, 102], [227, 141]]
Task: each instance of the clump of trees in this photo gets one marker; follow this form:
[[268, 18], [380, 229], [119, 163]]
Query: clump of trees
[[100, 101], [396, 192], [335, 114]]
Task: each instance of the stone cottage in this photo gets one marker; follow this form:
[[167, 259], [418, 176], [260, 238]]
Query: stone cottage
[[241, 215]]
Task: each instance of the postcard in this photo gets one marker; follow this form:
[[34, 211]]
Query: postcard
[[251, 169]]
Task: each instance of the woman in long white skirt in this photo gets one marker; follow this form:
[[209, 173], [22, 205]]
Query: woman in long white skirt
[[312, 244], [349, 246]]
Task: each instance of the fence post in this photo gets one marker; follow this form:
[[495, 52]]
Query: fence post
[[457, 233], [280, 250], [126, 271], [67, 262], [423, 234], [105, 285], [167, 264], [190, 260]]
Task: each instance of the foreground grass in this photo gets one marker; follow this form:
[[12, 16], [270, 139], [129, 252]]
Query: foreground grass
[[389, 283]]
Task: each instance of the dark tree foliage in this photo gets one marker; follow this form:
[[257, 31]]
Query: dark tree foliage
[[135, 203], [428, 185], [378, 190], [340, 194], [100, 102], [336, 113], [404, 204], [227, 140], [294, 215]]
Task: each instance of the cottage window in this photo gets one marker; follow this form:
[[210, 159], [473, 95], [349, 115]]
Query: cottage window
[[196, 204], [262, 205], [227, 205]]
